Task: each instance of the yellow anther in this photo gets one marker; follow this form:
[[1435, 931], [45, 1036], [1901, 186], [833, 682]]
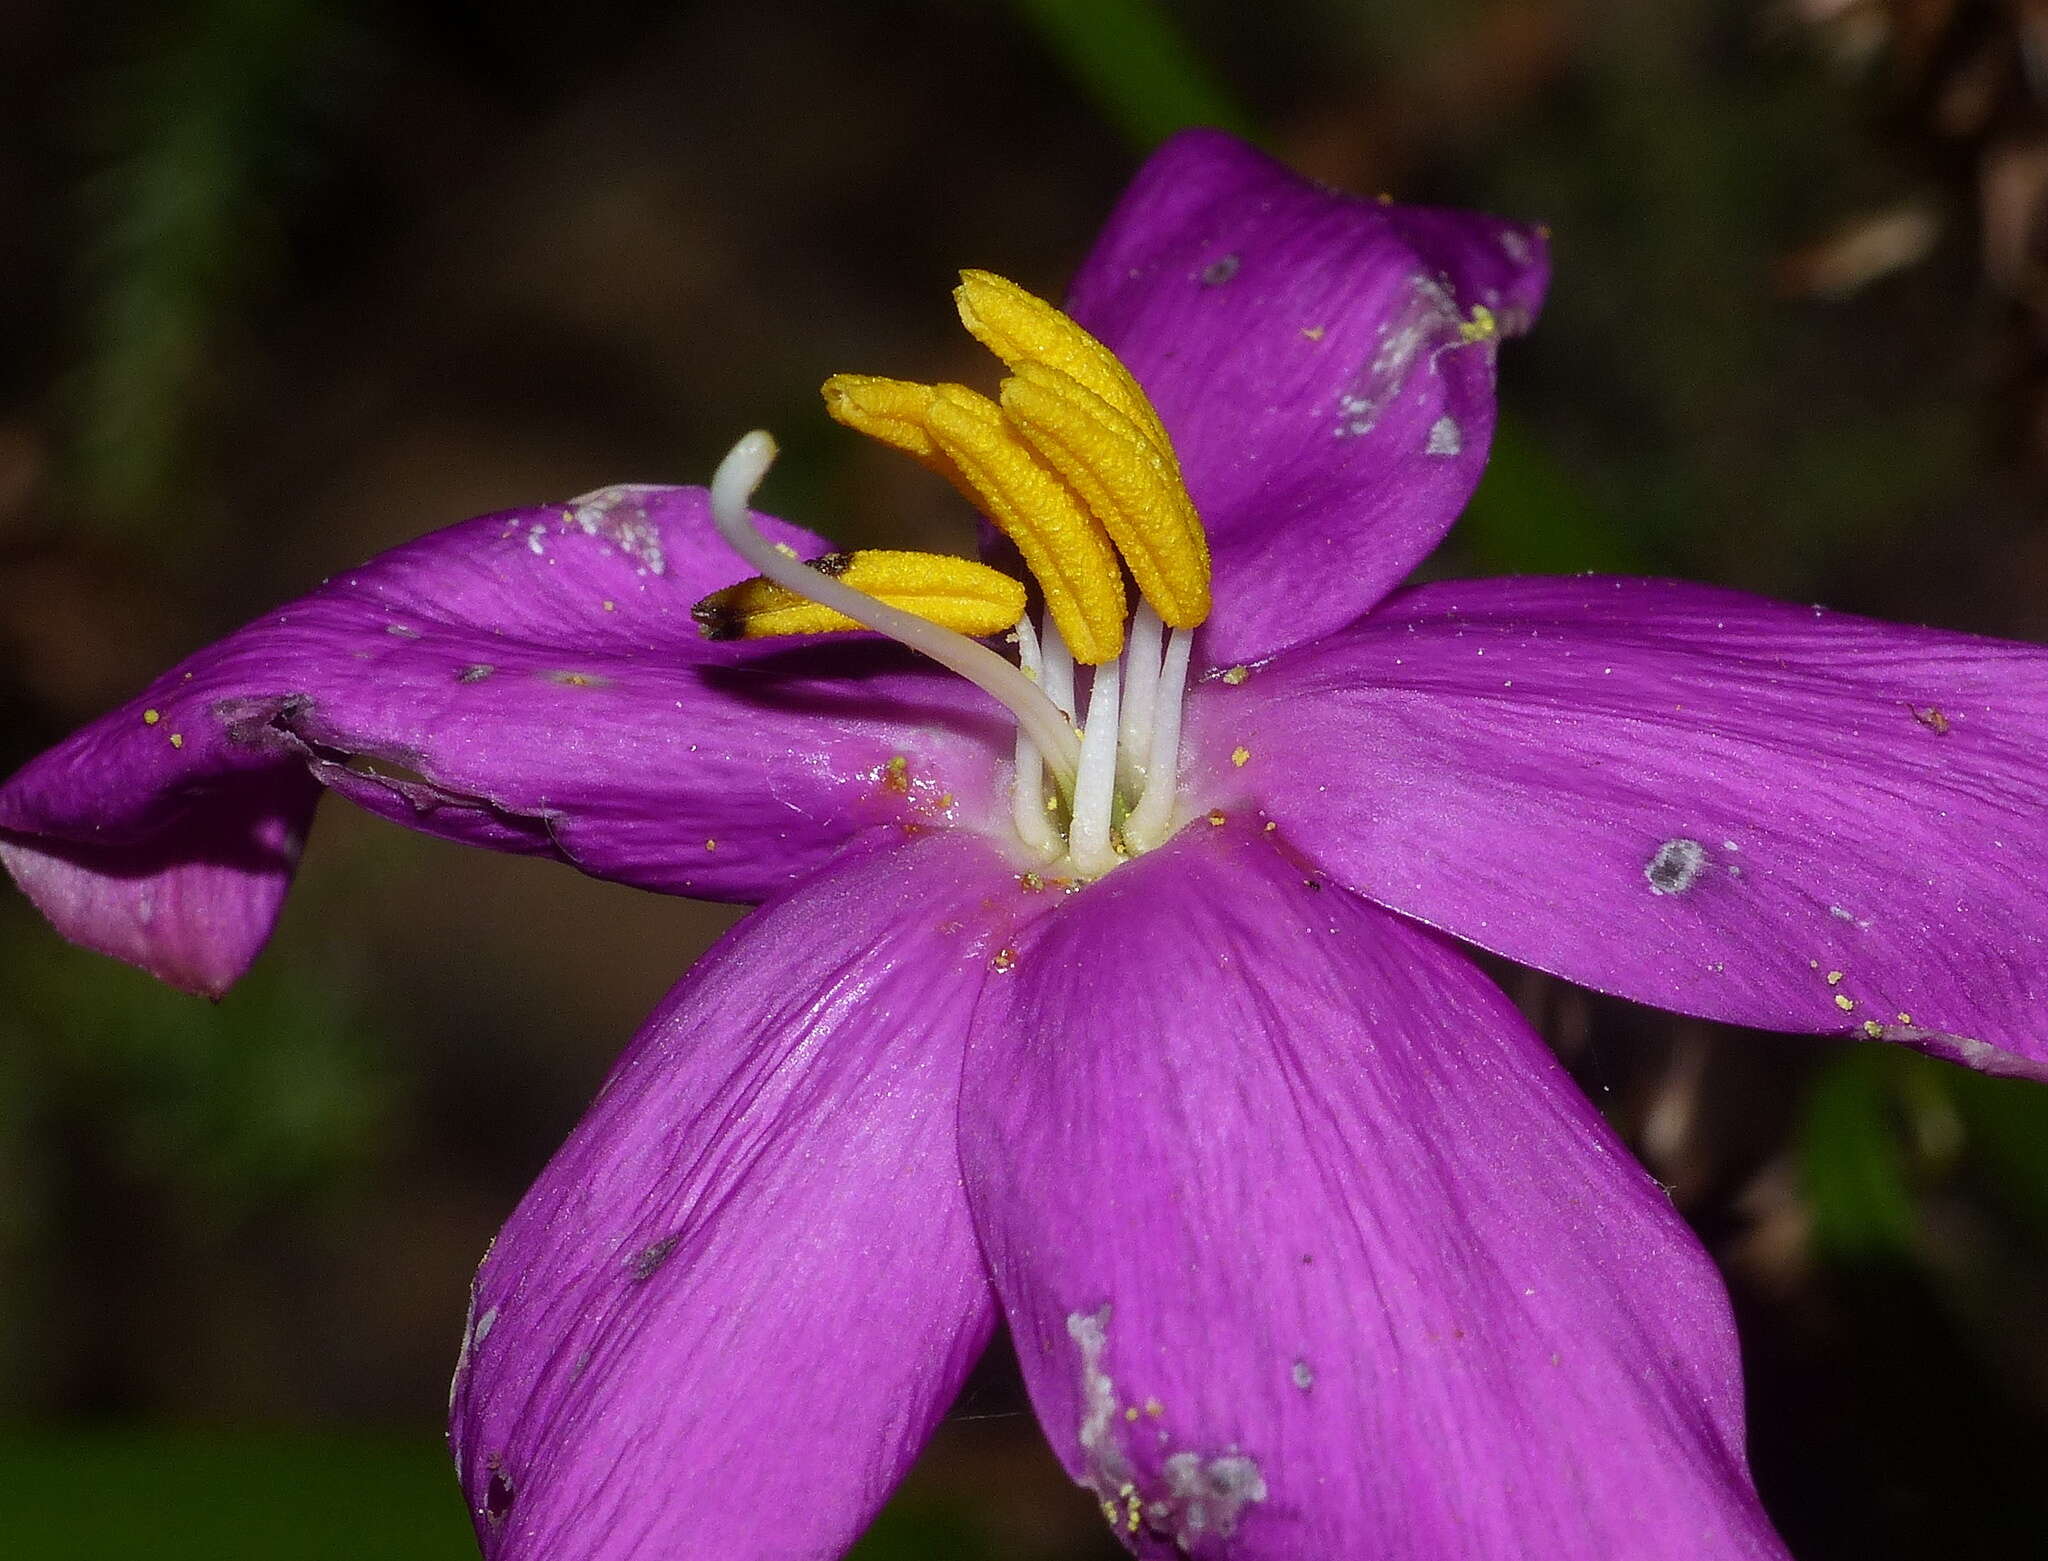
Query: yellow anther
[[1126, 480], [1074, 466], [1021, 328], [894, 411], [1063, 545], [958, 593], [963, 436]]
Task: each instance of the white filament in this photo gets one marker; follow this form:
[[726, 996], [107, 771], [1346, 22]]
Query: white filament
[[1151, 821], [1058, 675], [1027, 790], [1089, 845], [732, 487], [1141, 679]]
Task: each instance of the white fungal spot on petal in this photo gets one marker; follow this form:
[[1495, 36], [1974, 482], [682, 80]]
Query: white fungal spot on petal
[[1444, 437], [1675, 866], [1304, 1376], [1206, 1496], [1428, 319], [1108, 1468], [619, 515]]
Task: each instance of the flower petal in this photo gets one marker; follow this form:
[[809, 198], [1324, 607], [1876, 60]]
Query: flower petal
[[728, 1314], [1771, 815], [1317, 360], [193, 910], [1311, 1249], [530, 681]]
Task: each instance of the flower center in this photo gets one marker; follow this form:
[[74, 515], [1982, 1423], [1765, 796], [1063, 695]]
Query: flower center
[[1072, 464]]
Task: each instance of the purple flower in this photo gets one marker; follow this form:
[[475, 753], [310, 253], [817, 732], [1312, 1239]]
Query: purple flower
[[1308, 1245]]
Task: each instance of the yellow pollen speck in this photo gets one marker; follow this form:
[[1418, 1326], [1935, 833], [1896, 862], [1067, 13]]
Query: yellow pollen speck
[[1154, 1408], [1216, 817], [1236, 675], [611, 606], [177, 739], [1313, 332], [151, 717], [1905, 1018], [896, 775], [711, 845], [1271, 825], [944, 800], [1873, 1029], [1480, 326], [1834, 978], [1005, 960], [785, 550], [1240, 755], [1030, 882], [1844, 1001], [1131, 1412]]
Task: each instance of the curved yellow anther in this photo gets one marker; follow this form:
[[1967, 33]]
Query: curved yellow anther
[[1126, 481], [956, 593], [1020, 327], [893, 411], [1074, 466], [963, 436], [1063, 545]]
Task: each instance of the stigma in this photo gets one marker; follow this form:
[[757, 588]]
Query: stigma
[[1071, 463]]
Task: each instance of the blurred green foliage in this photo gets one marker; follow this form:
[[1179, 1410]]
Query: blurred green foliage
[[1132, 57], [202, 135], [201, 1496]]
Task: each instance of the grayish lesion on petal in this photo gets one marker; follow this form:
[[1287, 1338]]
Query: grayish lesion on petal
[[618, 514], [1429, 320], [1108, 1467], [1205, 1496], [1200, 1496], [646, 1263], [1675, 866]]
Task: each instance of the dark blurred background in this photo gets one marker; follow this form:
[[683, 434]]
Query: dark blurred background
[[283, 282]]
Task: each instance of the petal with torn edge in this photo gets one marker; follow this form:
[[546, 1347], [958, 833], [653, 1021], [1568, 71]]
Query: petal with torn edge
[[530, 681]]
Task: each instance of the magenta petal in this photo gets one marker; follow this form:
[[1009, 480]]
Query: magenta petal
[[530, 681], [1317, 361], [192, 907], [728, 1314], [1311, 1249], [1772, 815]]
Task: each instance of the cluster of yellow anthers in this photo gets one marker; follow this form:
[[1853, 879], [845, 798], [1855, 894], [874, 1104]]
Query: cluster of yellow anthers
[[1070, 462]]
